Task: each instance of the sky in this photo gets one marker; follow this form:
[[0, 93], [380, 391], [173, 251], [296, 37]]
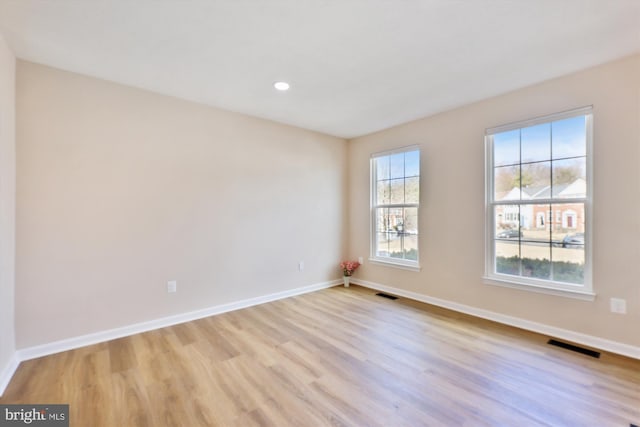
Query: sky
[[547, 141], [399, 165]]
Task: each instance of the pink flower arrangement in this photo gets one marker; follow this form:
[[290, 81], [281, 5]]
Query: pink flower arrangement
[[348, 267]]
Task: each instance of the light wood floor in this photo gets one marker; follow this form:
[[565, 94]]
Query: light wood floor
[[340, 357]]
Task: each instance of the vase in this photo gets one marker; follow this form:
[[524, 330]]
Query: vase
[[346, 281]]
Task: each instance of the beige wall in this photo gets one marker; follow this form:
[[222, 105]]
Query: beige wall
[[452, 200], [121, 190], [7, 204]]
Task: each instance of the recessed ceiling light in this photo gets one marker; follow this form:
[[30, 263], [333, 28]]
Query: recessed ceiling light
[[281, 86]]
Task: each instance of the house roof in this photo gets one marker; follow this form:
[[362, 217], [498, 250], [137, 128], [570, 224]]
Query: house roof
[[575, 189]]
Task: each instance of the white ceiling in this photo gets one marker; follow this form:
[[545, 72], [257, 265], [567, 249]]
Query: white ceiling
[[355, 66]]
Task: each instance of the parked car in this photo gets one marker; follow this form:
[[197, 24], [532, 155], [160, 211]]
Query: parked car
[[509, 234], [573, 240]]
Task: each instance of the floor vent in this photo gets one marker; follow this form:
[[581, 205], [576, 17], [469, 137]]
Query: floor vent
[[380, 294], [575, 348]]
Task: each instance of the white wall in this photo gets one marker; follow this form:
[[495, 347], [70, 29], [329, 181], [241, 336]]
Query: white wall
[[7, 210], [452, 202], [120, 190]]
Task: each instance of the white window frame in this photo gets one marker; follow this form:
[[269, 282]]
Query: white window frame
[[373, 257], [580, 291]]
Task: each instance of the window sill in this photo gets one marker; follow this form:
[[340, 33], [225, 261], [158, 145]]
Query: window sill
[[541, 288], [401, 266]]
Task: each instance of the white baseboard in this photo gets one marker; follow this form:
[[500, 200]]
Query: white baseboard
[[7, 373], [102, 336], [565, 334]]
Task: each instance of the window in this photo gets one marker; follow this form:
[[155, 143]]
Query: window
[[541, 170], [395, 199]]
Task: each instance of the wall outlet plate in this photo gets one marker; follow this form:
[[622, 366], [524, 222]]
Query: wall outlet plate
[[618, 305], [172, 286]]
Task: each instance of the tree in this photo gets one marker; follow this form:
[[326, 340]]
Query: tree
[[537, 175]]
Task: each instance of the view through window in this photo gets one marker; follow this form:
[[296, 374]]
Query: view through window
[[538, 198]]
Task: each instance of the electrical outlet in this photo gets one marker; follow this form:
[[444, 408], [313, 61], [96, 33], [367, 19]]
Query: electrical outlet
[[618, 305], [361, 260], [172, 286], [301, 265]]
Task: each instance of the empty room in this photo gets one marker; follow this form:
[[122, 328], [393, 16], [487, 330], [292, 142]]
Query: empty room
[[324, 213]]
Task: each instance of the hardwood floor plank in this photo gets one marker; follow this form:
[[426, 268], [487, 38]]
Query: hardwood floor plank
[[122, 355], [129, 392]]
